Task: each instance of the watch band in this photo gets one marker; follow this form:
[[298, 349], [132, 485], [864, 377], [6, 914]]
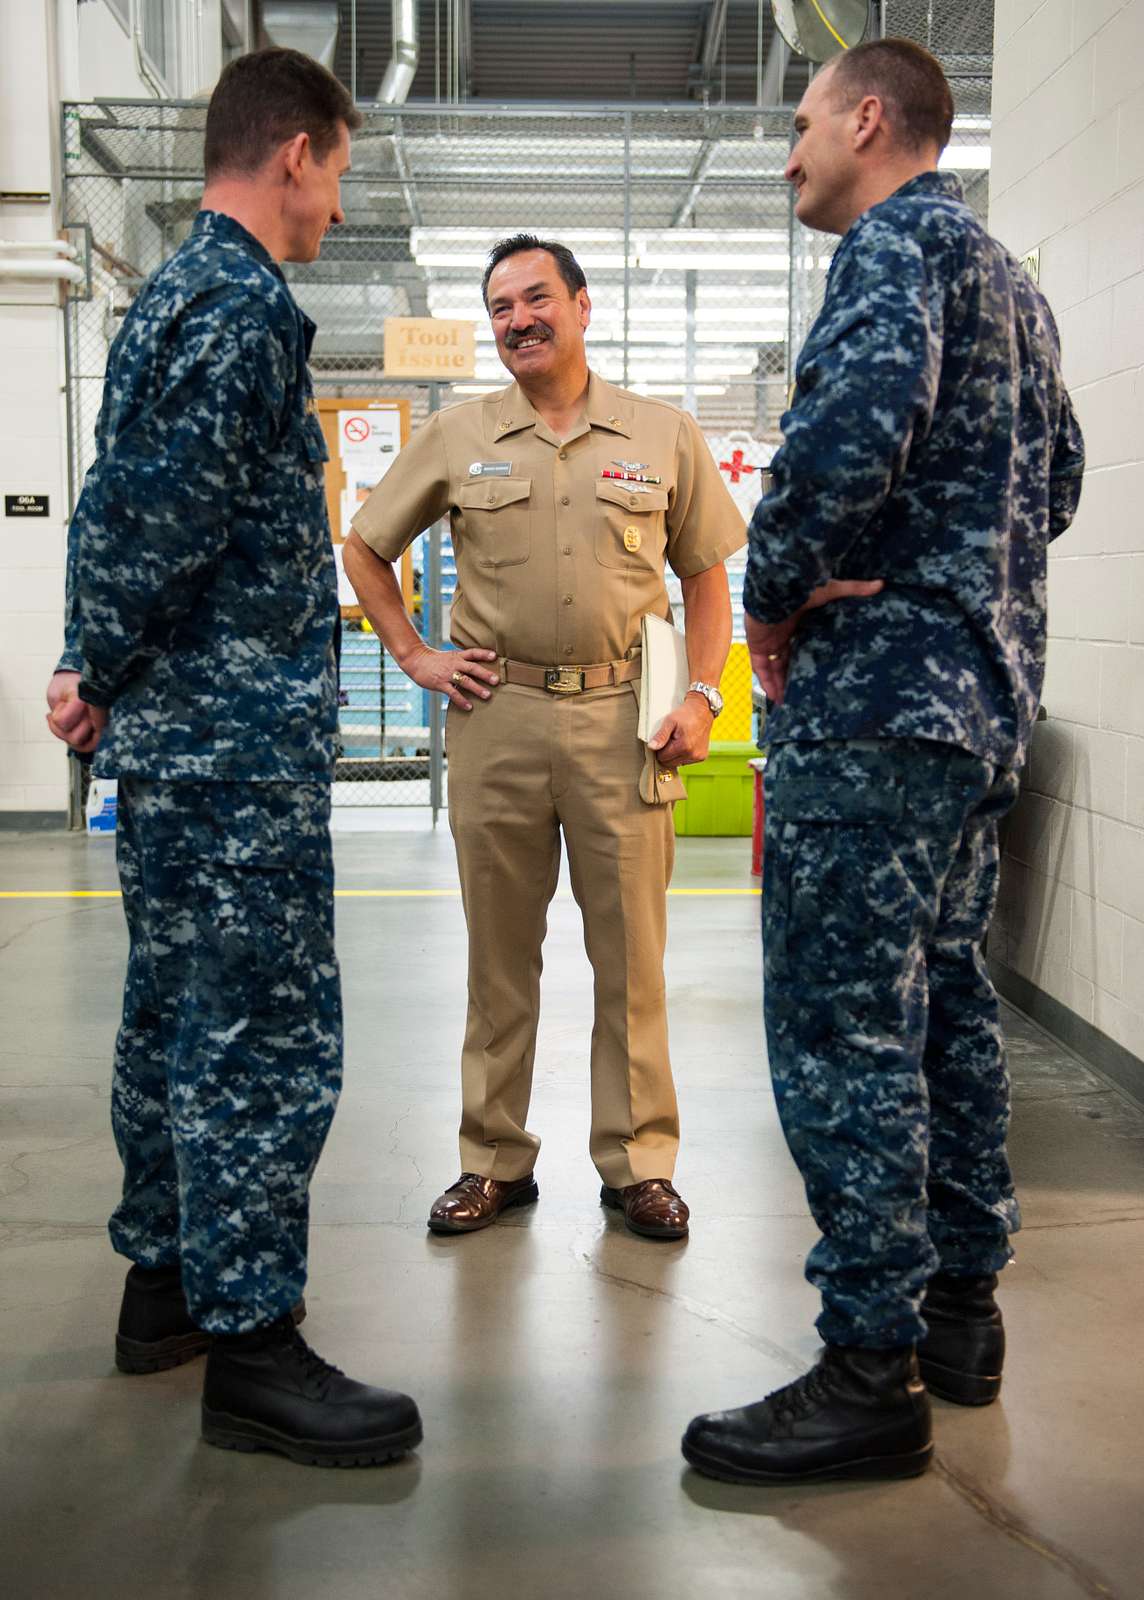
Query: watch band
[[710, 693]]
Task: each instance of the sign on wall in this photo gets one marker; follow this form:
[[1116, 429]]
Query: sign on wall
[[26, 505], [363, 435], [444, 348]]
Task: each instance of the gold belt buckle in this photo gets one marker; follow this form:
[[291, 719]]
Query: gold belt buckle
[[564, 680]]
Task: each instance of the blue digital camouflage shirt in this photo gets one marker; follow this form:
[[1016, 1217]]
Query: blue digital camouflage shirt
[[930, 443], [201, 583]]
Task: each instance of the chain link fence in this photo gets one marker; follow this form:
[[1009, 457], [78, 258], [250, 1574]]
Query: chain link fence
[[960, 35], [703, 287]]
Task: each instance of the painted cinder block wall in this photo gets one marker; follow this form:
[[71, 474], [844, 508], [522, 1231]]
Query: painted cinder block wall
[[1068, 178]]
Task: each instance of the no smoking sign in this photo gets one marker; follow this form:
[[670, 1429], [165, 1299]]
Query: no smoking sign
[[356, 429]]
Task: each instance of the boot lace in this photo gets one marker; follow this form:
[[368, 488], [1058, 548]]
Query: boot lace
[[803, 1396], [313, 1366]]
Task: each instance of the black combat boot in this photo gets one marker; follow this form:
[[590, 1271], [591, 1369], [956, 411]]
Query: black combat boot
[[857, 1414], [963, 1352], [156, 1330], [155, 1327], [267, 1390]]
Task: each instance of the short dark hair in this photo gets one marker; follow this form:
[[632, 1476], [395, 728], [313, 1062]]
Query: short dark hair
[[566, 263], [263, 99], [909, 82]]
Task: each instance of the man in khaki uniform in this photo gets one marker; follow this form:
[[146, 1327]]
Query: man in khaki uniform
[[565, 497]]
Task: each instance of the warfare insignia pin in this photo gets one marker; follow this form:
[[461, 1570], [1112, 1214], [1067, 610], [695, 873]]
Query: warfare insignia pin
[[632, 539]]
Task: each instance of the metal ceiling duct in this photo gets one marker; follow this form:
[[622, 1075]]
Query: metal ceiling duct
[[821, 29], [307, 25], [400, 72]]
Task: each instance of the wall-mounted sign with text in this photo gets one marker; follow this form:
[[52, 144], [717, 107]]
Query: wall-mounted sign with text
[[439, 349], [26, 505]]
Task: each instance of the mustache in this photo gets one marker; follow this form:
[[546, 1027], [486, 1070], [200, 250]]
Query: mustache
[[537, 331]]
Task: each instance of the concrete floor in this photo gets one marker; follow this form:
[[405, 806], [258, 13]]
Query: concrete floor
[[556, 1358]]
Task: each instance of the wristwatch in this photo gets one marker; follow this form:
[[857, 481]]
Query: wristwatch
[[712, 696]]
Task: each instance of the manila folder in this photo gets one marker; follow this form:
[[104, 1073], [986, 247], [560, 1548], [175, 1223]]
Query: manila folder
[[664, 676]]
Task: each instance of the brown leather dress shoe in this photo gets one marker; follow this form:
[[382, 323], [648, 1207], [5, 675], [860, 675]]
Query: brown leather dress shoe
[[652, 1208], [473, 1202]]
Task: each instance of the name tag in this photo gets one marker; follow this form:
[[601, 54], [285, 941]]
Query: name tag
[[490, 469]]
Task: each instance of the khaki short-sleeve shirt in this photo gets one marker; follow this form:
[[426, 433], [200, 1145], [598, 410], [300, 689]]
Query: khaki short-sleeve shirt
[[557, 563]]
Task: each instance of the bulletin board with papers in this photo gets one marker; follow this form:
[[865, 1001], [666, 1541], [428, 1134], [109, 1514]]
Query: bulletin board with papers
[[363, 437]]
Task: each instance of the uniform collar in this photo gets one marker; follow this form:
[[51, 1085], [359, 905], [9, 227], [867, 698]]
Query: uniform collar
[[604, 408], [217, 225], [607, 408], [942, 183]]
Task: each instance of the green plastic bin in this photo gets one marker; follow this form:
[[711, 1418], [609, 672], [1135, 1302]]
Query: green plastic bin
[[720, 793]]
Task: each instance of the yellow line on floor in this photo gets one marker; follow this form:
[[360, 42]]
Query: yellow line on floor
[[340, 894]]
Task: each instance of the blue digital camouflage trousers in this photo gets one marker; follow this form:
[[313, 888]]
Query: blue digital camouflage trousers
[[883, 1032], [229, 1058]]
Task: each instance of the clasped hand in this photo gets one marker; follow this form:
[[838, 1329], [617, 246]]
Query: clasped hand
[[71, 719], [770, 643]]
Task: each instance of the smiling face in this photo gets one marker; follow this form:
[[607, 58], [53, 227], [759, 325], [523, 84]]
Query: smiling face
[[537, 322], [314, 196], [824, 165]]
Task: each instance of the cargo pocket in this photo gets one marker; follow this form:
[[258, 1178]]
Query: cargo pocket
[[840, 907], [496, 520]]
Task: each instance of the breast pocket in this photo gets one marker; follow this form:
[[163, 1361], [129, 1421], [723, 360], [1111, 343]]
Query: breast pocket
[[631, 528], [496, 520]]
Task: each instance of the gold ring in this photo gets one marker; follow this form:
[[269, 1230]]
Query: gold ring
[[777, 656], [457, 676]]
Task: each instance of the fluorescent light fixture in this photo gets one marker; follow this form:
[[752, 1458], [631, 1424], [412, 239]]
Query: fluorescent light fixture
[[713, 261], [679, 388], [469, 247], [477, 388], [670, 249], [689, 238], [479, 258], [966, 158]]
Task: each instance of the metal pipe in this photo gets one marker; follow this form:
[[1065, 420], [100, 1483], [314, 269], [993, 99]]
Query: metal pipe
[[154, 83], [60, 246], [43, 269], [713, 39], [307, 25], [402, 68]]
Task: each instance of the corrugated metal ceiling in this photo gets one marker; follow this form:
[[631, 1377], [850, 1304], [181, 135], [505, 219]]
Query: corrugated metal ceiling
[[574, 50], [646, 51]]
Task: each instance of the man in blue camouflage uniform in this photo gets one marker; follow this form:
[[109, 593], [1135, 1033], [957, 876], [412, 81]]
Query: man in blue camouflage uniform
[[931, 443], [199, 666]]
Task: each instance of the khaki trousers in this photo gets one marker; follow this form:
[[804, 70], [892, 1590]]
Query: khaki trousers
[[525, 766]]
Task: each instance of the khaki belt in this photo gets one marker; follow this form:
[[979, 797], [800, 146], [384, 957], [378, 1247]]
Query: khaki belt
[[569, 680]]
